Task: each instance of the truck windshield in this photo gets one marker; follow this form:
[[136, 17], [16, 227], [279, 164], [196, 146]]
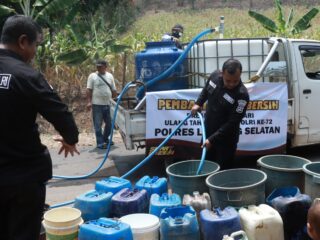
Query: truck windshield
[[311, 61], [276, 70]]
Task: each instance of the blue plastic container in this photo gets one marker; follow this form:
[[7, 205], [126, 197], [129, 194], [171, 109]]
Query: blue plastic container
[[129, 201], [293, 211], [105, 228], [93, 204], [284, 192], [154, 60], [217, 223], [179, 223], [157, 202], [153, 185], [112, 184]]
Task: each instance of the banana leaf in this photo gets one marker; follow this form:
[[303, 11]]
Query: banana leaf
[[265, 21], [5, 11], [55, 6], [289, 20], [304, 22], [73, 57], [280, 15]]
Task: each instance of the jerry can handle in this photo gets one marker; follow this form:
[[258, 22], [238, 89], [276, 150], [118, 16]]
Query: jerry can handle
[[238, 234], [164, 196]]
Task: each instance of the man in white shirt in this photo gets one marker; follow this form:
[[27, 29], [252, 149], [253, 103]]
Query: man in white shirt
[[100, 89]]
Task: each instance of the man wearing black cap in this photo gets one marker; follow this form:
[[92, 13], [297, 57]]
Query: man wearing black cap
[[100, 89], [176, 33]]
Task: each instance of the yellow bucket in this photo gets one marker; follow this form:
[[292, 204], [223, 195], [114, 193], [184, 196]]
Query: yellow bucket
[[62, 223]]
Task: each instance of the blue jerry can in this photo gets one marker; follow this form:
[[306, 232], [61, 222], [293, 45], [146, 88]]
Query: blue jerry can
[[129, 201], [217, 223], [154, 60], [157, 202], [293, 208], [105, 228], [179, 223], [112, 184], [152, 185], [93, 204]]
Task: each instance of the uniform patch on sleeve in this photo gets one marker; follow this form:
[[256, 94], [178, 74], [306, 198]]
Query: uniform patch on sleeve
[[5, 80], [212, 84], [241, 105]]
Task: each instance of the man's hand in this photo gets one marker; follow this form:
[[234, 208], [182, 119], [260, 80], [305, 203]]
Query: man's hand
[[66, 148], [206, 144], [196, 108]]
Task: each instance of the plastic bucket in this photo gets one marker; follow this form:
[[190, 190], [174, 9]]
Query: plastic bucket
[[143, 226], [312, 179], [237, 187], [62, 223], [283, 171], [183, 176]]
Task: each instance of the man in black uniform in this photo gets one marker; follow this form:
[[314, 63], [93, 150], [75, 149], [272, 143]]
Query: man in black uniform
[[25, 164], [227, 103]]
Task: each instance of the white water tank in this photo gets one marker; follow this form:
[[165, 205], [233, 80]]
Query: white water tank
[[209, 55]]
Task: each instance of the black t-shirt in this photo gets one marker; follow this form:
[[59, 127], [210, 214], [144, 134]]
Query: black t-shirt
[[225, 109], [23, 94]]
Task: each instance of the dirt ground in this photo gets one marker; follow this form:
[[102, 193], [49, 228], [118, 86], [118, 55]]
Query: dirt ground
[[85, 139]]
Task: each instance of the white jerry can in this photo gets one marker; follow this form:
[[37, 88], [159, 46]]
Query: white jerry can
[[261, 222], [197, 201]]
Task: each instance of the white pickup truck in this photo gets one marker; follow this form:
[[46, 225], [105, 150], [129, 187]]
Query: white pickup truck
[[293, 61]]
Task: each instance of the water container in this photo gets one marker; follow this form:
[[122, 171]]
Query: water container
[[62, 223], [283, 192], [261, 222], [93, 204], [237, 187], [312, 179], [144, 226], [217, 223], [157, 203], [283, 171], [197, 201], [207, 55], [105, 228], [154, 60], [294, 211], [183, 176], [153, 185], [179, 223], [129, 201], [112, 184], [236, 235]]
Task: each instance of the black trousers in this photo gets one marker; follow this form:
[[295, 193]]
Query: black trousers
[[21, 210], [223, 154]]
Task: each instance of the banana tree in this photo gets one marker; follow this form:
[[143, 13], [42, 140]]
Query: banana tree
[[284, 27], [89, 41], [47, 12]]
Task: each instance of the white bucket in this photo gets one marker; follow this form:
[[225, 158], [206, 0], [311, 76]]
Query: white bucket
[[143, 226], [62, 223]]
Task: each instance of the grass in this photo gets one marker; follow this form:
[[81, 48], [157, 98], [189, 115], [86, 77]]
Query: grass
[[238, 24]]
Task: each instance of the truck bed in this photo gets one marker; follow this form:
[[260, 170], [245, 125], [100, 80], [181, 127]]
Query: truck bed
[[131, 123]]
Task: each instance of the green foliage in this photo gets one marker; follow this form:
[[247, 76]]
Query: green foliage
[[282, 27]]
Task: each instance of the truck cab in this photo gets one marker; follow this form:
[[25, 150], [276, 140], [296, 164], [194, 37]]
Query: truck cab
[[297, 62]]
